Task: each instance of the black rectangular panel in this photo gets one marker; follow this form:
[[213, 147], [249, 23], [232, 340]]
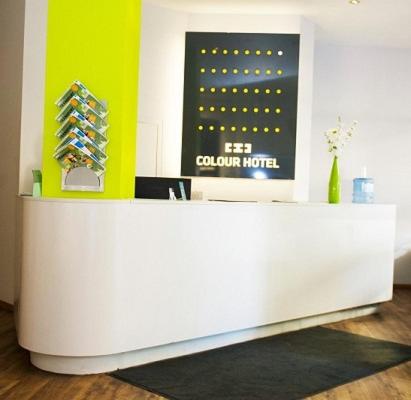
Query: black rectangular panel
[[158, 188], [240, 105]]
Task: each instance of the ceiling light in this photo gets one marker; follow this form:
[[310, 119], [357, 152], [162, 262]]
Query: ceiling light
[[354, 2]]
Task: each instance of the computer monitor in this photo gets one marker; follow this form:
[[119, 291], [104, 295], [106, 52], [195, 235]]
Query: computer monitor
[[160, 188]]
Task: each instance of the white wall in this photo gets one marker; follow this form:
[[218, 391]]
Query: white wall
[[161, 94], [34, 64], [11, 53], [372, 85], [161, 81]]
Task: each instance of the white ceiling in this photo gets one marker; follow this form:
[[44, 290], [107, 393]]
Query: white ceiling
[[371, 23]]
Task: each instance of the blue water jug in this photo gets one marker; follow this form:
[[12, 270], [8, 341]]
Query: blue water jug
[[363, 190]]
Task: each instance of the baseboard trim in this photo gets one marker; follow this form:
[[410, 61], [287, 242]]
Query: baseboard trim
[[402, 285], [6, 306]]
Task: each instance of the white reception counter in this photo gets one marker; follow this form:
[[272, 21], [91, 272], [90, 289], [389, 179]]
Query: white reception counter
[[109, 284]]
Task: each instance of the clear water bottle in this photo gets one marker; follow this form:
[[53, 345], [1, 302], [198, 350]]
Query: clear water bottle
[[363, 190]]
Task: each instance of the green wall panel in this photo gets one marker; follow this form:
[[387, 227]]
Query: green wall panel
[[96, 42]]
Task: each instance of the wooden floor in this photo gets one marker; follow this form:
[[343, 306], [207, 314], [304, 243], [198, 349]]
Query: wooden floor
[[21, 381]]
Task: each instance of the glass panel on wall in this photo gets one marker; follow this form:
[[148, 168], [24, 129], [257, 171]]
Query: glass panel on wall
[[240, 105]]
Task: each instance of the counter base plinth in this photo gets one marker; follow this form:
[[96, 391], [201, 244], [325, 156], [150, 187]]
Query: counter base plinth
[[112, 362]]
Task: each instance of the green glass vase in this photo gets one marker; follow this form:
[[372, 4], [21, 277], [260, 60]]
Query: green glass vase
[[334, 186]]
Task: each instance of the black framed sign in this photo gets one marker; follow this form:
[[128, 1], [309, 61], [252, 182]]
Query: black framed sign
[[240, 105]]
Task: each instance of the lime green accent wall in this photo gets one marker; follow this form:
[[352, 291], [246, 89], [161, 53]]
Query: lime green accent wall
[[96, 42]]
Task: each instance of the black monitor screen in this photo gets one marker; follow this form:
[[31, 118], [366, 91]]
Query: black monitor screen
[[160, 188]]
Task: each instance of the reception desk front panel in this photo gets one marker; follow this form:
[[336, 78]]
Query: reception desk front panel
[[108, 277]]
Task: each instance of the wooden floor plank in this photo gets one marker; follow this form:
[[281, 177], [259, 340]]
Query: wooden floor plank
[[19, 380]]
